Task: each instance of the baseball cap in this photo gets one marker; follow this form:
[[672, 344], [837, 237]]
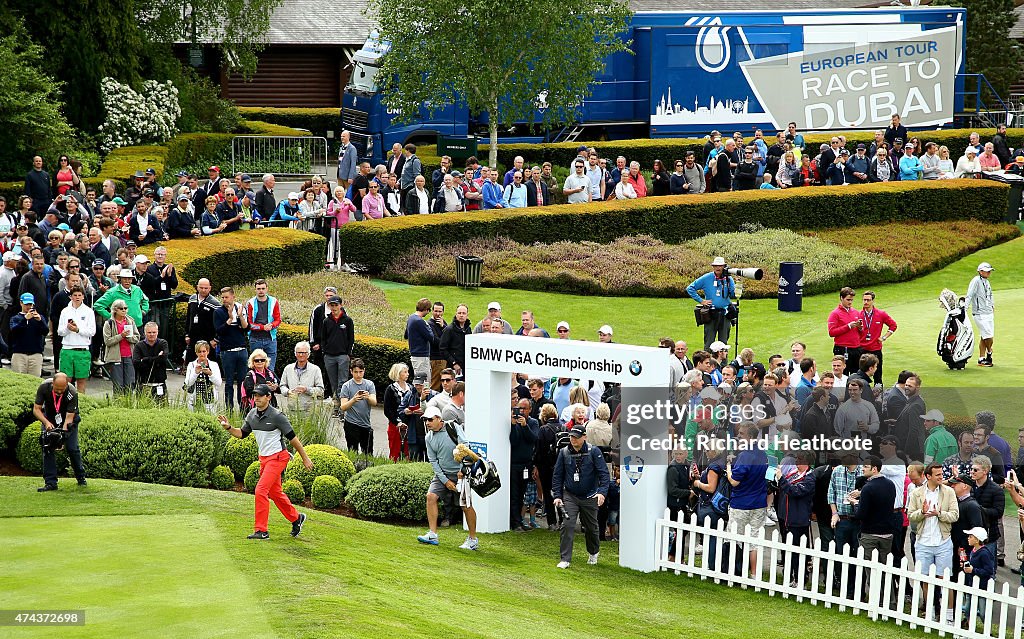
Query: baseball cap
[[984, 266], [431, 412], [577, 431], [150, 171], [717, 346], [456, 174], [759, 367], [118, 201], [148, 193], [334, 300], [28, 298], [889, 439], [96, 263], [182, 196], [130, 244], [961, 479], [293, 196], [844, 152], [710, 393], [861, 146], [140, 259], [10, 255], [607, 330], [718, 261], [246, 177], [971, 149], [494, 306], [214, 168], [419, 380], [261, 389], [181, 174], [935, 415], [978, 532], [562, 324], [63, 227]]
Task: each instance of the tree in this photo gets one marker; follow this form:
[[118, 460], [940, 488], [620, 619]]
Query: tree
[[990, 50], [496, 57], [30, 107], [239, 27]]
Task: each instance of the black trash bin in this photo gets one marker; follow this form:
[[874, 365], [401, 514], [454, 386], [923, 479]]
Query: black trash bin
[[791, 286], [468, 270], [1014, 196]]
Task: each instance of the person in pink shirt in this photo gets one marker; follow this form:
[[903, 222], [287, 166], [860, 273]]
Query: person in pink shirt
[[988, 159], [636, 178], [844, 325], [339, 211], [373, 202], [878, 326]]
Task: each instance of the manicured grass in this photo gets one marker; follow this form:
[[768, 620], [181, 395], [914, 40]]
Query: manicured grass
[[161, 561]]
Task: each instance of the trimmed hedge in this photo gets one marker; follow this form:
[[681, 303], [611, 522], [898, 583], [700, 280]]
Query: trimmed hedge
[[674, 219], [19, 394], [327, 460], [156, 446], [293, 488], [239, 258], [240, 453], [391, 491], [252, 476], [316, 121], [221, 478], [327, 492], [645, 151]]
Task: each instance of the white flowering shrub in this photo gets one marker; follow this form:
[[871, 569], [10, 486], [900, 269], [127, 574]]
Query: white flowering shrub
[[137, 118]]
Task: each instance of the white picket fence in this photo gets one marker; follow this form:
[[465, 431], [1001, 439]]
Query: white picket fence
[[880, 590]]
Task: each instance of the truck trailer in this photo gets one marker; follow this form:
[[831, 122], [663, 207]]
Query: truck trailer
[[689, 73]]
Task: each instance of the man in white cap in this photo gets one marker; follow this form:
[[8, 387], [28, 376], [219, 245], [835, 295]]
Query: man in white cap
[[979, 300], [563, 330], [718, 289], [941, 444], [442, 439], [494, 314], [604, 334]]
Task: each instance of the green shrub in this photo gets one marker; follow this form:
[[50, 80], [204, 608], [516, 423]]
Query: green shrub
[[240, 453], [29, 452], [391, 491], [16, 400], [326, 492], [316, 121], [327, 460], [293, 488], [222, 478], [675, 219], [157, 446], [252, 476]]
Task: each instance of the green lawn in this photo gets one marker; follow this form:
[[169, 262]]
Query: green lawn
[[147, 560]]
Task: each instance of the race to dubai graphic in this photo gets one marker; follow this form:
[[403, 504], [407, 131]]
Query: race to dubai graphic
[[819, 75]]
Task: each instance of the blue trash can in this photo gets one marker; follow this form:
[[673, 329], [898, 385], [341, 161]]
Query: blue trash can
[[791, 286]]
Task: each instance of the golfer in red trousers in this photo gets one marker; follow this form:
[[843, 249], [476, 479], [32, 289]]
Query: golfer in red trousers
[[271, 429]]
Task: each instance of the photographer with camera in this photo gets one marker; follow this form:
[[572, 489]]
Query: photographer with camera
[[523, 439], [718, 288], [56, 408]]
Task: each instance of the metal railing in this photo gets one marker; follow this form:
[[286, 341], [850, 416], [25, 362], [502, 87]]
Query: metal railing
[[863, 583], [278, 154]]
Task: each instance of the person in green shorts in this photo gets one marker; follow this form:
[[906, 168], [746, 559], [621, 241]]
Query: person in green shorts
[[76, 326]]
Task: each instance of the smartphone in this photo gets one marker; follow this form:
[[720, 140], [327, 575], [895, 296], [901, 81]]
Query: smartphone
[[517, 413]]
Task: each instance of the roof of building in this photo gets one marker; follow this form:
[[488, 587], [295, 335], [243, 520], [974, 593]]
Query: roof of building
[[341, 22]]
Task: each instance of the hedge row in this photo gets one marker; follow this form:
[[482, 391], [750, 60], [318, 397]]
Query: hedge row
[[674, 219], [397, 491], [646, 151], [181, 150], [156, 446], [16, 400], [237, 259], [316, 121]]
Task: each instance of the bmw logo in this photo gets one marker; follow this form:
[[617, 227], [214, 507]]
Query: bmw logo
[[635, 367]]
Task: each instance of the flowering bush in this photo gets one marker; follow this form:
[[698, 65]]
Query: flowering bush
[[136, 118]]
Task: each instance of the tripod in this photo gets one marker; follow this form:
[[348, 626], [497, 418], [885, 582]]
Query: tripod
[[738, 288]]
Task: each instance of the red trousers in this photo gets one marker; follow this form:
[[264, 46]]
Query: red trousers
[[396, 446], [269, 487]]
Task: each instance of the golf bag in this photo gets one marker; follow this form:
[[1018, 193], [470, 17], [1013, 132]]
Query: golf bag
[[956, 338]]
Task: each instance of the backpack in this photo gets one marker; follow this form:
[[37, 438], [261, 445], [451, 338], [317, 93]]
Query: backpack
[[720, 498], [560, 441]]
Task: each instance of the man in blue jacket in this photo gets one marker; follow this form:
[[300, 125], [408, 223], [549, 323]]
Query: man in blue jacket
[[747, 474], [718, 289], [421, 337], [580, 484]]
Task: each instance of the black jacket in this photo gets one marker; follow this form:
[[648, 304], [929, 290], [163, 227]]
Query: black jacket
[[875, 507], [156, 286], [971, 516], [180, 223], [150, 361], [677, 479], [531, 193], [892, 134], [199, 319], [523, 442], [315, 319], [412, 202], [337, 338], [99, 252], [992, 500], [265, 203], [589, 463], [151, 236], [453, 343], [814, 422]]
